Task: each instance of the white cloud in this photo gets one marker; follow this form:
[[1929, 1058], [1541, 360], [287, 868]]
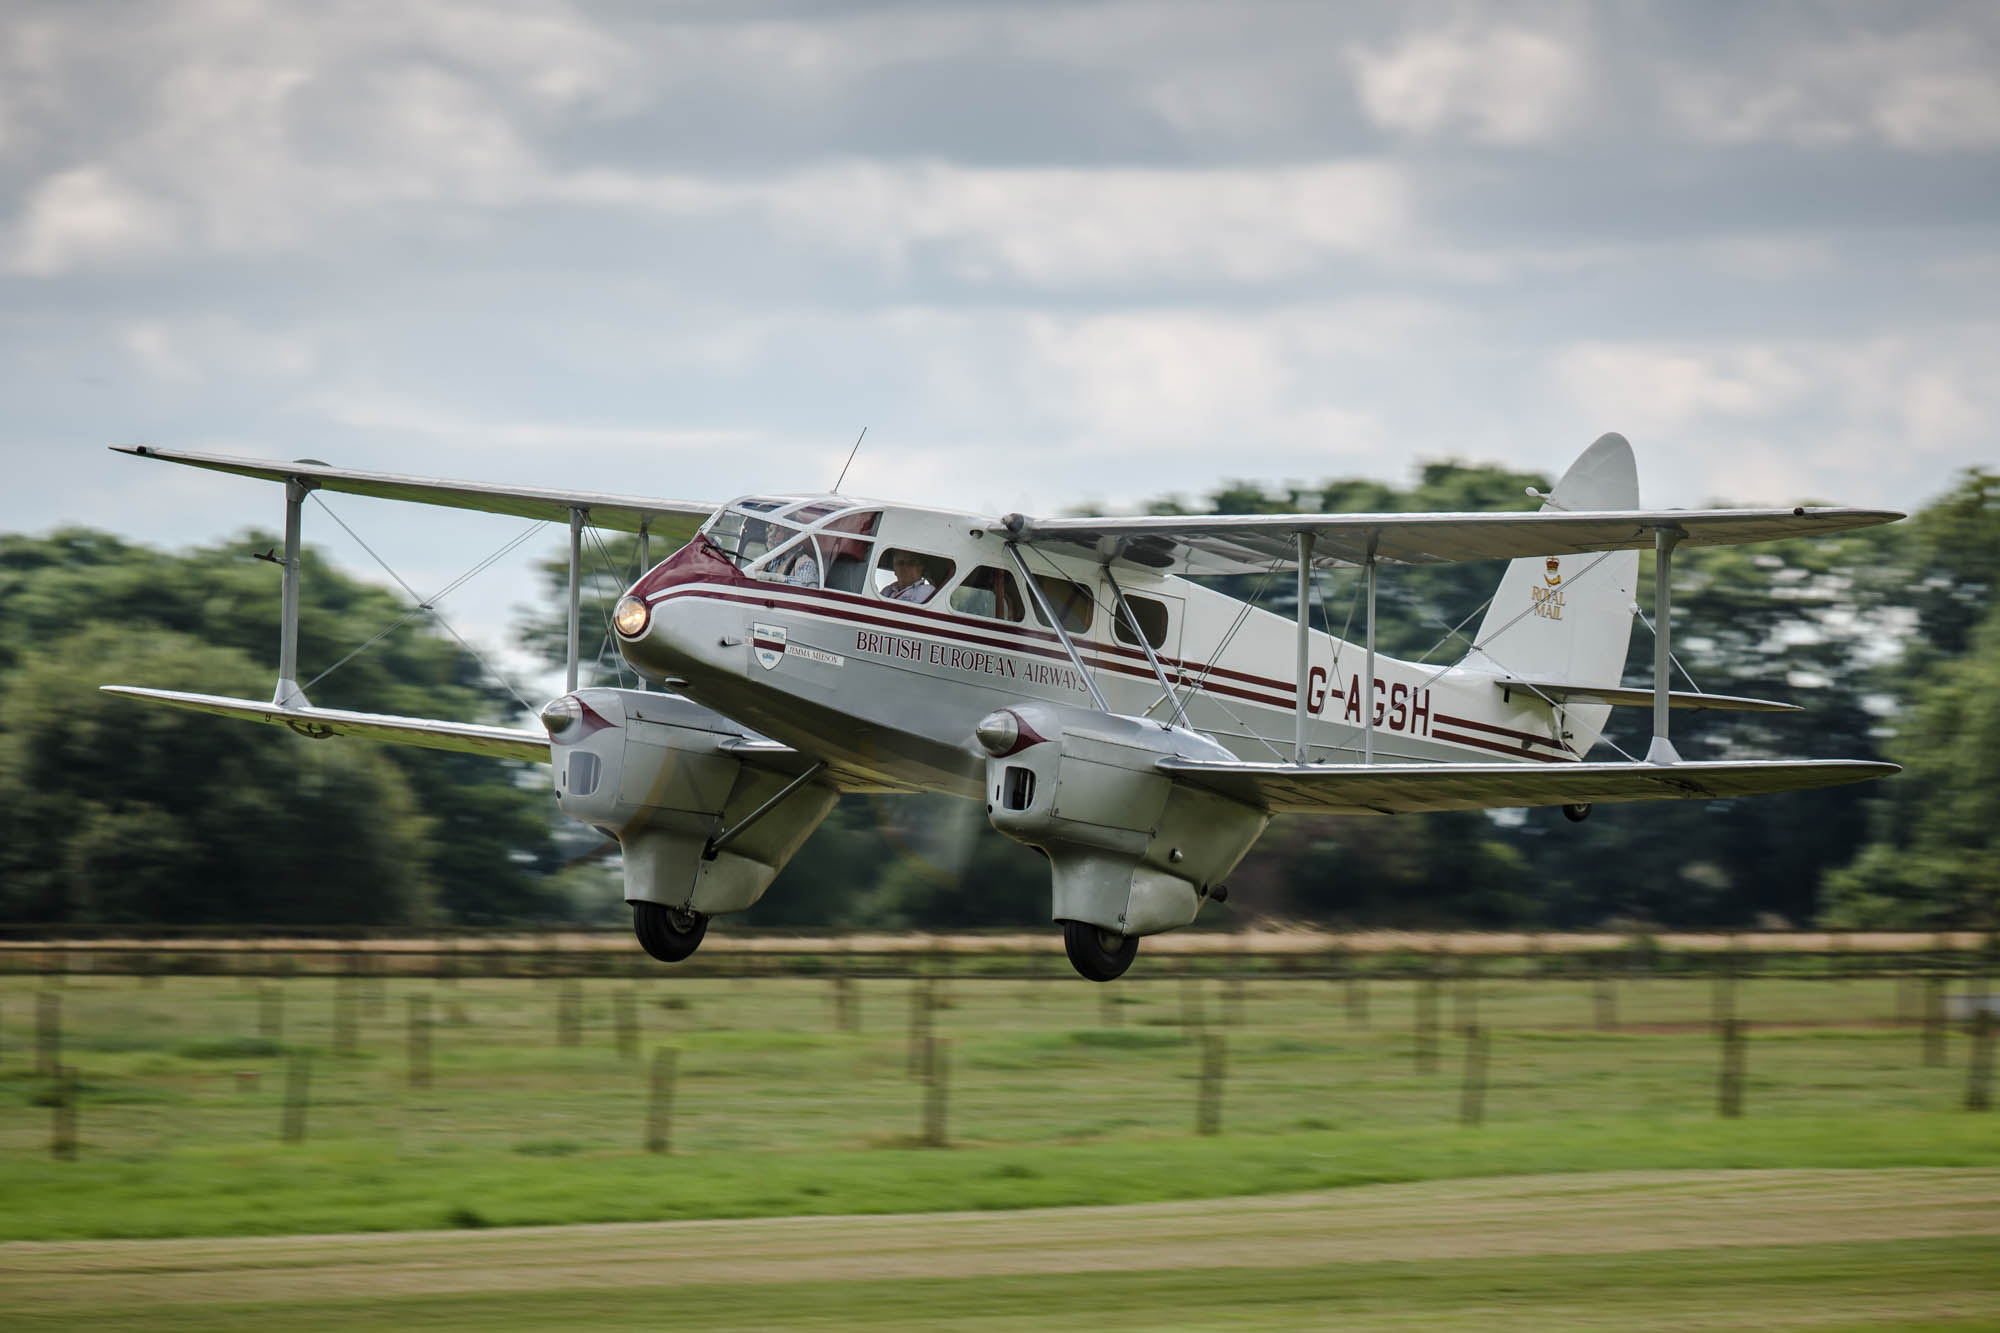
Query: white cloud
[[1932, 89], [1491, 83], [1055, 226], [1869, 420], [190, 350], [88, 217]]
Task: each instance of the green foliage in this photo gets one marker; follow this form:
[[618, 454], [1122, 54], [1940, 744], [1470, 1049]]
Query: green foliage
[[116, 811], [1935, 860]]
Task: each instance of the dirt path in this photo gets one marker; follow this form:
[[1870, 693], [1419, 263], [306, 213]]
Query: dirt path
[[1584, 1214]]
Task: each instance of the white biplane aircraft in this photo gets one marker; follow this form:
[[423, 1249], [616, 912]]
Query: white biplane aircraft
[[1136, 727]]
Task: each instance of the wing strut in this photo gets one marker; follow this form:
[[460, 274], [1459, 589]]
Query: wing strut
[[1305, 541], [576, 517], [1664, 539], [1132, 622], [645, 566], [1368, 702], [1055, 623], [288, 693]]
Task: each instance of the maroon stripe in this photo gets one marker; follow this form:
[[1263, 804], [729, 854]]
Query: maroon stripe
[[1092, 659], [1481, 744], [1526, 736], [1022, 628]]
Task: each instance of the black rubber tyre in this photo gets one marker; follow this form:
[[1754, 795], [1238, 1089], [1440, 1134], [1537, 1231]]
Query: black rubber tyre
[[667, 933], [1098, 954], [1576, 814]]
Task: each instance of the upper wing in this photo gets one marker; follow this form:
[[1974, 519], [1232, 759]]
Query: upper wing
[[1252, 543], [1397, 789], [672, 521]]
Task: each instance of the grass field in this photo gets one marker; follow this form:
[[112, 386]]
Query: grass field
[[1344, 1188], [1058, 1093]]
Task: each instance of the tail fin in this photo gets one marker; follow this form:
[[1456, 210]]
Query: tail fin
[[1569, 618]]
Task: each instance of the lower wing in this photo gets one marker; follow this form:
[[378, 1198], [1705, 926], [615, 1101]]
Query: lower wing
[[1398, 789], [322, 723]]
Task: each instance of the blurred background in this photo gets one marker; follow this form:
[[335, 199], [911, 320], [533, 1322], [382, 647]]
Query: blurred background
[[1052, 256]]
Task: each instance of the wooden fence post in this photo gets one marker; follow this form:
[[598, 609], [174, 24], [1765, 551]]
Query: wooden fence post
[[920, 1027], [1729, 1099], [937, 1088], [1357, 997], [420, 1041], [1208, 1097], [1472, 1096], [660, 1101]]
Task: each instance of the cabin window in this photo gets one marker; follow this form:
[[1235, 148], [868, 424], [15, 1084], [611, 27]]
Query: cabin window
[[798, 564], [989, 591], [744, 538], [1070, 601], [911, 577], [845, 550], [1152, 618]]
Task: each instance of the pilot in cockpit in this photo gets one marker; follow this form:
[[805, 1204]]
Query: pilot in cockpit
[[910, 585]]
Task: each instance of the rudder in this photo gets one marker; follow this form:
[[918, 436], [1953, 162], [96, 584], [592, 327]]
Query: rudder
[[1569, 618]]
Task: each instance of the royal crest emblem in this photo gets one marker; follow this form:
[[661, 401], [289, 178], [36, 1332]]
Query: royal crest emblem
[[768, 642], [1554, 575]]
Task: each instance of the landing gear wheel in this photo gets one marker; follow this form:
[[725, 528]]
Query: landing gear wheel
[[1098, 954], [668, 933], [1576, 814]]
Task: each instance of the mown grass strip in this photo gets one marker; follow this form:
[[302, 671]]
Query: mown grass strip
[[1946, 1286]]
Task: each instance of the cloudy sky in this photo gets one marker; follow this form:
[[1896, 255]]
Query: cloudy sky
[[1048, 254]]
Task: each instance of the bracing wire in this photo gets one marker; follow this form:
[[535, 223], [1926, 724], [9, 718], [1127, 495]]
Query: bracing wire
[[427, 606]]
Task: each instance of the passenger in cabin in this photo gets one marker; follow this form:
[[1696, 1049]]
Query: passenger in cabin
[[910, 585], [802, 569]]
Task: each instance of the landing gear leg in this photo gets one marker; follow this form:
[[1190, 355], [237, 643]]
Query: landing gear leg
[[668, 933], [1098, 954]]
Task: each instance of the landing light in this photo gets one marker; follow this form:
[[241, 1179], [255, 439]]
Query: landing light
[[630, 616]]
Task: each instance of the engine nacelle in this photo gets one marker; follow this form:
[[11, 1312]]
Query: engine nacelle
[[655, 771], [1131, 850]]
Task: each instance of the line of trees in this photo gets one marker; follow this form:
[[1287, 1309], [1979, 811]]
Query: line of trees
[[114, 812]]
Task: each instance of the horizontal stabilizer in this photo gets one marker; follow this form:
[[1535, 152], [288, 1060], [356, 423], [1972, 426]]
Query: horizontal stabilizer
[[1397, 789], [322, 723], [671, 521], [1559, 692]]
